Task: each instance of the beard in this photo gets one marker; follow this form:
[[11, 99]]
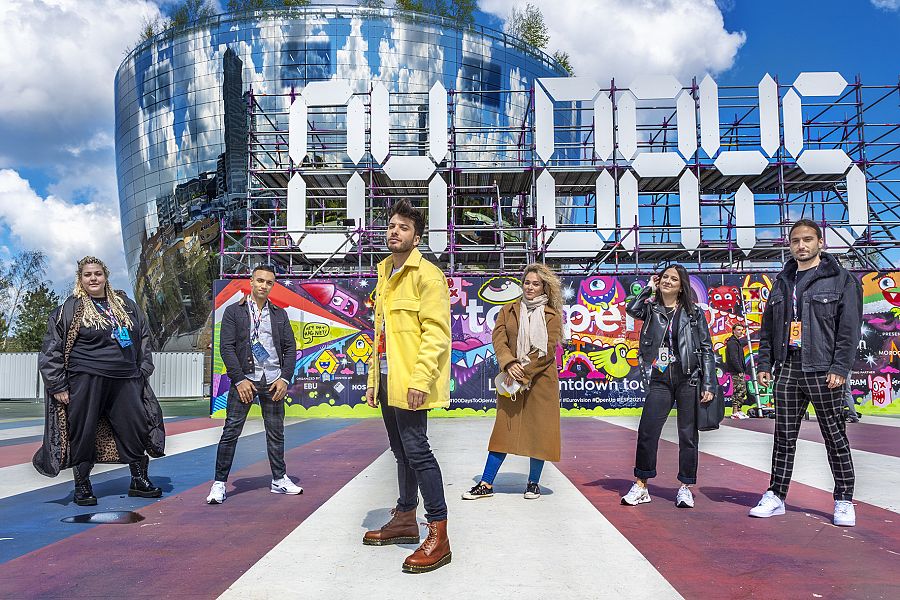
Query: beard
[[401, 247]]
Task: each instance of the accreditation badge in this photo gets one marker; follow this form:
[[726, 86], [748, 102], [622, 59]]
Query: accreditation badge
[[794, 334], [663, 359], [122, 336], [259, 352]]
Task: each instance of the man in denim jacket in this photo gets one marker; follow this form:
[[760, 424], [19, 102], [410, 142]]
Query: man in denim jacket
[[810, 332]]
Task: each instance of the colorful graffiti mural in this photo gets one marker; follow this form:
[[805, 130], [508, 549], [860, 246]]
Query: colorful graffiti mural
[[332, 322]]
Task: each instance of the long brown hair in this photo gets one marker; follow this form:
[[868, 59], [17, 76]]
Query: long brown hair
[[686, 296]]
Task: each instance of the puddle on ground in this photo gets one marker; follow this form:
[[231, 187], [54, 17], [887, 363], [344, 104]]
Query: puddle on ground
[[106, 518]]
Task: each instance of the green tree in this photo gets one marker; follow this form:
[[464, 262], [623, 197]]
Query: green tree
[[296, 2], [371, 3], [563, 59], [462, 11], [189, 11], [528, 25], [24, 273], [31, 324]]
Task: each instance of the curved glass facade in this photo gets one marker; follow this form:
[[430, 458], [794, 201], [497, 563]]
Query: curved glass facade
[[182, 133]]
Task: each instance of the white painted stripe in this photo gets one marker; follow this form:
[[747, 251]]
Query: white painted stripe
[[20, 432], [877, 475], [559, 546], [18, 479], [876, 420]]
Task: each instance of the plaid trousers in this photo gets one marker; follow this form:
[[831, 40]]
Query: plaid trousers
[[236, 415], [794, 390]]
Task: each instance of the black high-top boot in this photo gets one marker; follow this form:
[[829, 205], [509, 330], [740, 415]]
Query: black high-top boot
[[84, 493], [141, 486]]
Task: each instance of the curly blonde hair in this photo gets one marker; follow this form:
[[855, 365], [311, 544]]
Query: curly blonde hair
[[92, 317], [552, 285]]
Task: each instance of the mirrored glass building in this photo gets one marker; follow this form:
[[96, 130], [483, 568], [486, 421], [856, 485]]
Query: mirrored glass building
[[182, 125]]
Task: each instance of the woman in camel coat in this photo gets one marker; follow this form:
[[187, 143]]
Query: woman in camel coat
[[525, 337]]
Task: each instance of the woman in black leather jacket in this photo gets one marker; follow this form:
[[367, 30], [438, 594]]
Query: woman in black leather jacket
[[676, 357]]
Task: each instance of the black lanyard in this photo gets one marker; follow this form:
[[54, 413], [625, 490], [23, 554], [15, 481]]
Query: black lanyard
[[794, 292], [669, 329], [107, 310]]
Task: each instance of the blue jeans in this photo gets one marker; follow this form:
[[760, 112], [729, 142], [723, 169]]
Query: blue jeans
[[417, 468], [495, 459]]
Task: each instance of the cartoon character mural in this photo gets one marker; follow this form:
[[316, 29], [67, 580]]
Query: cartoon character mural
[[333, 319]]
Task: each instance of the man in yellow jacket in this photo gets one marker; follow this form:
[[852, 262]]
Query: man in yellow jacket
[[409, 374]]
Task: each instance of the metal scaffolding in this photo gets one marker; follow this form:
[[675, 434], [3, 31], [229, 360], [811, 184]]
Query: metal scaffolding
[[491, 176]]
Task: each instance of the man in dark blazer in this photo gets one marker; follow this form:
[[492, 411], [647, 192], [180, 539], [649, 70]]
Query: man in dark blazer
[[259, 351]]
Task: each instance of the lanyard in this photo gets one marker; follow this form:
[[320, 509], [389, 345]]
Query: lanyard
[[670, 327], [106, 310], [794, 293], [257, 319]]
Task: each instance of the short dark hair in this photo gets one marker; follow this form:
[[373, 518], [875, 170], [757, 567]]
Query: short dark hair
[[268, 268], [736, 325], [806, 223], [406, 210]]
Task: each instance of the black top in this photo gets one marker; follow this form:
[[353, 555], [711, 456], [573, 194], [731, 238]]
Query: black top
[[97, 352], [800, 286]]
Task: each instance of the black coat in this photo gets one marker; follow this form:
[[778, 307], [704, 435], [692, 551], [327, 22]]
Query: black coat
[[695, 353], [234, 341], [830, 321], [734, 356], [62, 326]]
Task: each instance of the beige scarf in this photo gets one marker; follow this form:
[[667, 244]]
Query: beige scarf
[[532, 329]]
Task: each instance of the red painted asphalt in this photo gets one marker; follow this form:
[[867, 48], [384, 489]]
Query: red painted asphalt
[[715, 550], [880, 439], [186, 548], [17, 454]]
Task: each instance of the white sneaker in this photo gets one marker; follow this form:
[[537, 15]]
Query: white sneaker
[[216, 493], [684, 498], [636, 495], [769, 506], [285, 486], [844, 513]]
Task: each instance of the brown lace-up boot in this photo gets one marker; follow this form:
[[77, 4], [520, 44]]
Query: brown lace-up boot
[[433, 553], [401, 529]]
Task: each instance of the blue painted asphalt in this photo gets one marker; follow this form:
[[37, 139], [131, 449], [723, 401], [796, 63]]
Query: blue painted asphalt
[[32, 519]]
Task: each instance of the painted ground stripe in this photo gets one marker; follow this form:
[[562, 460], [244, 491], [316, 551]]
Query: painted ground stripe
[[715, 550], [867, 437], [20, 432], [886, 421], [22, 478], [877, 476], [504, 547], [187, 549], [20, 450], [15, 423], [40, 524]]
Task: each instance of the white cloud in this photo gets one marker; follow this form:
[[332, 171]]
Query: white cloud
[[64, 231], [628, 38], [887, 4], [59, 61]]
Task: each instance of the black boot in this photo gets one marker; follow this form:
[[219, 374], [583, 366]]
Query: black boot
[[141, 486], [84, 493]]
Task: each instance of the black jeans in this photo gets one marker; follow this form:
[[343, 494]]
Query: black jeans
[[417, 468], [664, 391], [236, 415], [119, 400]]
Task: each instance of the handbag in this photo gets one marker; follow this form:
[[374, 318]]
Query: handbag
[[710, 414]]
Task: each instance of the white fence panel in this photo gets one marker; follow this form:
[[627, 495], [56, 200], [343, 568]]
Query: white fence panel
[[177, 375], [19, 376]]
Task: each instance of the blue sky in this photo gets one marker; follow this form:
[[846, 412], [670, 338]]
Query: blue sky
[[58, 187]]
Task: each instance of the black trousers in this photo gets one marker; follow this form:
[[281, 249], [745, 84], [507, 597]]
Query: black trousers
[[417, 468], [665, 390], [235, 417], [119, 400], [794, 390]]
